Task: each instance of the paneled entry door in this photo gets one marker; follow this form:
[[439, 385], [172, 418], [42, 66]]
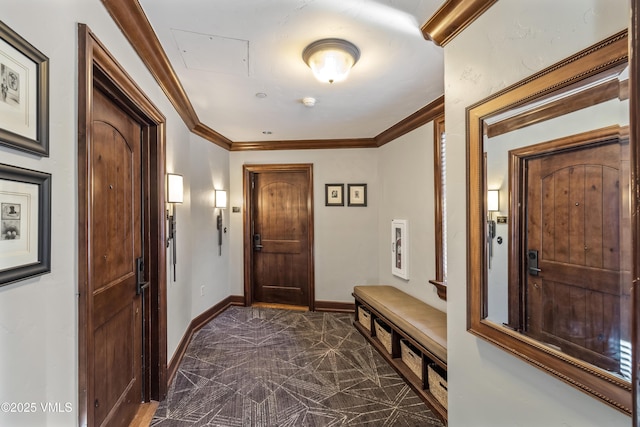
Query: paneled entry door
[[121, 242], [115, 244], [279, 234], [576, 228]]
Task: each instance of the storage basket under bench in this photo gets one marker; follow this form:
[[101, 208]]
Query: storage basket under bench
[[411, 336]]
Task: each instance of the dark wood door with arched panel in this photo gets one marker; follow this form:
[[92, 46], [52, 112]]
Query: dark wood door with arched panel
[[576, 238], [279, 234], [115, 243], [122, 350]]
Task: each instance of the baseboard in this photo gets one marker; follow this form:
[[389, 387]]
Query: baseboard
[[335, 307], [196, 324]]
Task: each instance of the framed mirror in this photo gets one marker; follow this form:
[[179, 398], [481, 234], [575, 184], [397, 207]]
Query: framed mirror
[[550, 248]]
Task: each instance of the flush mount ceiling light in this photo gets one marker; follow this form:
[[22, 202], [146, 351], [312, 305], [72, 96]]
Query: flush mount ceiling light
[[331, 59]]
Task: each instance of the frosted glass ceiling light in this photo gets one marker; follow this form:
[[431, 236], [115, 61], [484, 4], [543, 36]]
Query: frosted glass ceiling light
[[331, 59]]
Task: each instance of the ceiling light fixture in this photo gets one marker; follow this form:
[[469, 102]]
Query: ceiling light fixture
[[331, 59]]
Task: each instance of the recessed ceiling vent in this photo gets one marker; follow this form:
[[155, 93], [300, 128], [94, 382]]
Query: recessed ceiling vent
[[217, 54]]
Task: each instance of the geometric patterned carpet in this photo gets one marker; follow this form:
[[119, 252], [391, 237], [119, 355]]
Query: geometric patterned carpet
[[263, 367]]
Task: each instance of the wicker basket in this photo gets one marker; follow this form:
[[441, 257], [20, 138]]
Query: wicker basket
[[383, 332], [438, 383], [411, 357], [364, 317]]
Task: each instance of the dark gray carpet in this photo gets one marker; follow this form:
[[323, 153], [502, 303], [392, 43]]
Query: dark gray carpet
[[267, 367]]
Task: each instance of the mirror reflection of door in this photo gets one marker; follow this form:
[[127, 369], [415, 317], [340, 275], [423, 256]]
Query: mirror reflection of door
[[577, 223], [572, 319]]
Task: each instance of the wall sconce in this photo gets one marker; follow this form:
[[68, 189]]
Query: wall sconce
[[174, 195], [493, 205], [331, 60], [221, 203]]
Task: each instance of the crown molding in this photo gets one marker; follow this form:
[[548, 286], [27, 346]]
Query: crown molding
[[595, 95], [209, 134], [453, 17], [421, 117], [304, 144], [130, 17], [135, 26]]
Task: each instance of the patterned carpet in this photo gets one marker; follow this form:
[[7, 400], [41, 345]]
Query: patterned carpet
[[265, 367]]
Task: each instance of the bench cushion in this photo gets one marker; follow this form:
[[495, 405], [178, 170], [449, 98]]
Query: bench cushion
[[423, 323]]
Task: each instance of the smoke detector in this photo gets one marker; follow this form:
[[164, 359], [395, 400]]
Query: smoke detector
[[308, 101]]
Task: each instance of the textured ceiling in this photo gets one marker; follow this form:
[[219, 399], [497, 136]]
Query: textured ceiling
[[227, 51]]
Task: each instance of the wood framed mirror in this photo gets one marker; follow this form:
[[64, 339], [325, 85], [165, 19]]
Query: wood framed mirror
[[550, 266]]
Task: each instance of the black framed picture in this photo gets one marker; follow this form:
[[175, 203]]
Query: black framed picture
[[334, 194], [25, 223], [357, 194], [24, 94]]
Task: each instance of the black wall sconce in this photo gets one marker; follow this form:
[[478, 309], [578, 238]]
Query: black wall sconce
[[174, 195], [221, 203], [493, 205]]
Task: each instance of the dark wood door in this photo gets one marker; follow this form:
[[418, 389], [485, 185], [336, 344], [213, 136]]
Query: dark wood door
[[281, 267], [578, 226], [115, 243]]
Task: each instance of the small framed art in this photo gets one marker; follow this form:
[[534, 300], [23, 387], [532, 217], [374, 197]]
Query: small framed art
[[357, 194], [25, 223], [24, 94], [334, 194]]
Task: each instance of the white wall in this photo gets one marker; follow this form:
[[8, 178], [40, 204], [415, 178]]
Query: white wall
[[209, 171], [179, 291], [512, 40], [346, 238], [38, 317], [406, 192]]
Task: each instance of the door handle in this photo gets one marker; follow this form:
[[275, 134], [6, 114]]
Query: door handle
[[141, 284], [257, 242], [532, 262]]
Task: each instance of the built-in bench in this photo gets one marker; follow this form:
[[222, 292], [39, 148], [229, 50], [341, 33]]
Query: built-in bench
[[411, 335]]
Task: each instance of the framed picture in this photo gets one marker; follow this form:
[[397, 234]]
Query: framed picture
[[357, 194], [334, 194], [24, 94], [400, 248], [25, 223]]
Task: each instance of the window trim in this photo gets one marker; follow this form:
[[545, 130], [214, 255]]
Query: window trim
[[439, 207]]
